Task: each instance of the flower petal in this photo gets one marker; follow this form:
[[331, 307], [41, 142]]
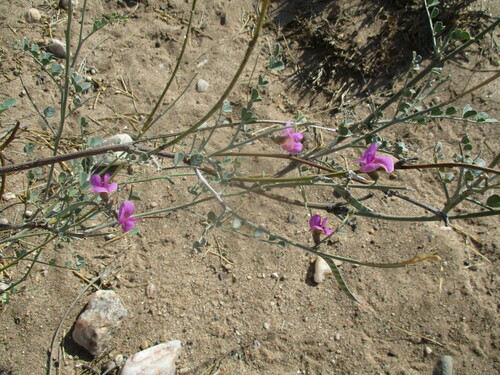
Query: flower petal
[[369, 154], [327, 231], [99, 189], [112, 187], [128, 224], [385, 162], [126, 210], [297, 136], [314, 221], [95, 180]]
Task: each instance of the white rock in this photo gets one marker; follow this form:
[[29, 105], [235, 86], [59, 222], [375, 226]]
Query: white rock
[[157, 360], [114, 158], [33, 15], [102, 316], [8, 196], [4, 221], [321, 269], [57, 48], [201, 85], [65, 4]]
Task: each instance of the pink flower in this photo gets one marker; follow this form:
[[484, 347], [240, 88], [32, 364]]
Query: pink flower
[[370, 161], [125, 211], [318, 227], [102, 185], [289, 140]]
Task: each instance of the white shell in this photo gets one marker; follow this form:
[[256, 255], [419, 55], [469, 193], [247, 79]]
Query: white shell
[[321, 269], [157, 360], [115, 158], [32, 15], [57, 48]]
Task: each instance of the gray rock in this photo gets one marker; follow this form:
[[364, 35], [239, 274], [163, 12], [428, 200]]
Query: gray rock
[[444, 366], [57, 48], [32, 15], [102, 316], [157, 360], [201, 85], [65, 4]]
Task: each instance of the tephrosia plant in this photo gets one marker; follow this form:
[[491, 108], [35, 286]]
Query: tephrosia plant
[[84, 198]]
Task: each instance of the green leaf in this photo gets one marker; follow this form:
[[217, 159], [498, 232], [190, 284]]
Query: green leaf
[[178, 158], [437, 112], [434, 13], [99, 24], [433, 3], [461, 35], [29, 147], [211, 217], [56, 68], [95, 142], [438, 27], [262, 81], [468, 111], [255, 96], [247, 116], [7, 103], [277, 66], [340, 279], [493, 201], [82, 122], [196, 160], [450, 111]]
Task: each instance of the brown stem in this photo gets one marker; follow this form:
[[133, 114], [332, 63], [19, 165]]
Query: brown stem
[[447, 165]]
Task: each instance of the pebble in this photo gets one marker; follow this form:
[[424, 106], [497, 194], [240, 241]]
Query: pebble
[[57, 48], [202, 63], [150, 290], [65, 4], [153, 204], [274, 275], [8, 196], [267, 326], [109, 236], [427, 351], [444, 366], [32, 15], [102, 316], [337, 337], [114, 158], [158, 360], [4, 221], [201, 85], [28, 214], [144, 345]]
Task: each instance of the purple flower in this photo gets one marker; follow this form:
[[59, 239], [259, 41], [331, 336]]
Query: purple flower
[[102, 185], [125, 211], [289, 140], [318, 227], [370, 161]]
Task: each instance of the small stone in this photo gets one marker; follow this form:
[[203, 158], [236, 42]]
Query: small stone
[[119, 358], [57, 48], [223, 19], [427, 351], [32, 15], [201, 85], [102, 316], [267, 326], [28, 214], [109, 236], [274, 275], [8, 196], [144, 345], [4, 221], [65, 4], [444, 366], [158, 360], [115, 158], [153, 204], [184, 370], [337, 337], [150, 290]]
